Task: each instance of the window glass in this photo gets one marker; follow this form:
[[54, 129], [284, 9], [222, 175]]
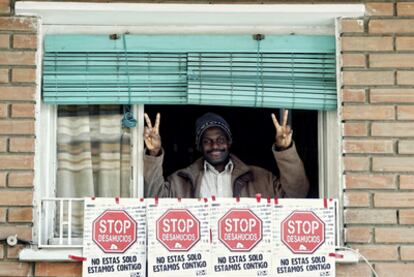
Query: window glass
[[93, 155], [93, 152]]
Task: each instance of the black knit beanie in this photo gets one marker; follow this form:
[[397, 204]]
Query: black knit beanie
[[209, 120]]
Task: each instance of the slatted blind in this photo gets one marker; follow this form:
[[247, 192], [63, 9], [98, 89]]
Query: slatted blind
[[289, 80], [279, 71], [112, 74]]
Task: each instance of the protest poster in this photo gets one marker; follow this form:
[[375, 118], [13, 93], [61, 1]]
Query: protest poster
[[303, 237], [114, 237], [241, 237], [178, 237]]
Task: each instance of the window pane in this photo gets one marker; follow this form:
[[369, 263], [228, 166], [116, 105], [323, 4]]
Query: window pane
[[93, 152], [93, 155]]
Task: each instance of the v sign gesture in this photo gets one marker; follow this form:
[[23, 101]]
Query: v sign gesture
[[152, 135], [283, 132]]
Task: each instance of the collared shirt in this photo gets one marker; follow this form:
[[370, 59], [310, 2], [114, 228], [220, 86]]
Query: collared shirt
[[217, 183]]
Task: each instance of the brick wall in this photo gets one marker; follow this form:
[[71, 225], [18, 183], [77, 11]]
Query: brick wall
[[378, 113], [17, 92], [378, 142]]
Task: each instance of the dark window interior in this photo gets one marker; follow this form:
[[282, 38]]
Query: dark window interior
[[253, 135]]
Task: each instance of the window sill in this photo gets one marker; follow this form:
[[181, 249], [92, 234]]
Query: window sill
[[54, 255], [62, 255]]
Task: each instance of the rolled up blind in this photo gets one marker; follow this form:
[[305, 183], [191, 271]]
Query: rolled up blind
[[103, 71], [279, 71]]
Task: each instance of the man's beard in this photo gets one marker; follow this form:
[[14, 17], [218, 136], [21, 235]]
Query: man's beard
[[224, 157]]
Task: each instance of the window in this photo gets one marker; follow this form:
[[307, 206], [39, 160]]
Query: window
[[74, 18], [93, 149]]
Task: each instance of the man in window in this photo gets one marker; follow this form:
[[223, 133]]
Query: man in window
[[220, 173]]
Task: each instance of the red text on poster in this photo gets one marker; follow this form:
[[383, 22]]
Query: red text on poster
[[178, 230], [303, 232], [114, 231], [240, 230]]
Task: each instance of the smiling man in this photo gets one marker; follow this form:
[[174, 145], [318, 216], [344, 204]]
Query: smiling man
[[220, 173]]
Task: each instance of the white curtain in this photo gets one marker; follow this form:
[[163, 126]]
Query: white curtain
[[93, 155]]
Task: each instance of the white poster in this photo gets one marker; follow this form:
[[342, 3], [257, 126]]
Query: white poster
[[178, 237], [114, 241], [241, 237], [304, 236]]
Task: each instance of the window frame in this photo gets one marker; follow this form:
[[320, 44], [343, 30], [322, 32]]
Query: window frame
[[60, 17]]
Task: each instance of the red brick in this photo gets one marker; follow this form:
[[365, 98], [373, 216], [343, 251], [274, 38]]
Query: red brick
[[392, 164], [17, 58], [406, 217], [5, 6], [405, 112], [406, 147], [22, 145], [368, 112], [25, 41], [13, 252], [391, 60], [379, 9], [353, 95], [368, 78], [356, 199], [407, 253], [17, 93], [3, 212], [353, 270], [3, 144], [18, 24], [407, 182], [378, 252], [404, 43], [394, 199], [4, 41], [369, 181], [391, 26], [20, 179], [15, 269], [370, 216], [368, 146], [23, 110], [394, 235], [367, 43], [4, 75], [394, 269], [20, 214], [355, 129], [405, 77], [24, 75], [404, 9], [391, 129], [58, 269], [17, 127], [358, 234], [16, 198], [16, 162], [3, 178], [356, 163], [23, 232], [353, 60], [400, 95], [3, 110], [352, 26]]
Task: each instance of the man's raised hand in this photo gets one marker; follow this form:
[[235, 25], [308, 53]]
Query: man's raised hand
[[152, 135], [283, 132]]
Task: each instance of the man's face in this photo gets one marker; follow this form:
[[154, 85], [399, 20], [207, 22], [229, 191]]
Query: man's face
[[215, 146]]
